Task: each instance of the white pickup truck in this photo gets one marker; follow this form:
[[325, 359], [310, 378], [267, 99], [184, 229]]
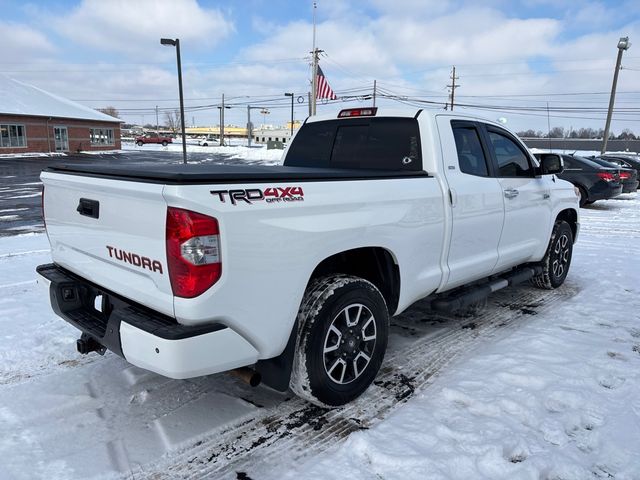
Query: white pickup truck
[[294, 271]]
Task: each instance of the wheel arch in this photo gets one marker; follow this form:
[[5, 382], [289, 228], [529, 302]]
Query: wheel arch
[[375, 264], [570, 216]]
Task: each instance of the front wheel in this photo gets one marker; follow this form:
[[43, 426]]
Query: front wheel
[[343, 328], [140, 144], [164, 144], [556, 262]]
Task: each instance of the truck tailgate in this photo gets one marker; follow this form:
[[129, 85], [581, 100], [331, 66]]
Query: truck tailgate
[[111, 233]]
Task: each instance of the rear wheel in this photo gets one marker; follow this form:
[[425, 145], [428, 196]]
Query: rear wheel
[[343, 329], [557, 260]]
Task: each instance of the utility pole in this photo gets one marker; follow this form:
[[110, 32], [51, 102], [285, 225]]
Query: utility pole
[[157, 122], [314, 68], [316, 56], [548, 126], [309, 94], [453, 85], [374, 93], [249, 129], [222, 123], [623, 44]]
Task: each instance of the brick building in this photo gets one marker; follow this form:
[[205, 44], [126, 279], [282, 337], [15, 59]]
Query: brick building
[[33, 120]]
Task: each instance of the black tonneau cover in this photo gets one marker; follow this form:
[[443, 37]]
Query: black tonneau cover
[[180, 174]]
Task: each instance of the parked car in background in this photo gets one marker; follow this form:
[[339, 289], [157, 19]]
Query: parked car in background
[[628, 161], [153, 138], [628, 175], [208, 140], [593, 181]]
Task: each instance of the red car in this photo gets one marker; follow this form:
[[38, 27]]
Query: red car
[[153, 138]]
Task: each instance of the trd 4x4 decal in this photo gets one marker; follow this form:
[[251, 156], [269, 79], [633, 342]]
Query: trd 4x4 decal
[[270, 195]]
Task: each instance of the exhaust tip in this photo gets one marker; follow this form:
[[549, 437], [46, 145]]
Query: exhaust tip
[[247, 375]]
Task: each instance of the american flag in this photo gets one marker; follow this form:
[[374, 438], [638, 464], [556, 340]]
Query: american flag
[[323, 88]]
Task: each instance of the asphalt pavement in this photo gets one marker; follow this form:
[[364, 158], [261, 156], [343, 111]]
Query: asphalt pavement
[[20, 186]]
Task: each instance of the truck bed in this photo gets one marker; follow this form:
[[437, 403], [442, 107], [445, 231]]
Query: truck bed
[[180, 174]]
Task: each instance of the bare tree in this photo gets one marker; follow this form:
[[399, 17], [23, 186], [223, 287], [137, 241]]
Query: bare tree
[[110, 111], [556, 132], [527, 133], [172, 120]]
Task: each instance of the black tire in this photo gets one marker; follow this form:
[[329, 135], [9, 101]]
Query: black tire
[[205, 144], [165, 143], [140, 144], [584, 197], [330, 370], [557, 259]]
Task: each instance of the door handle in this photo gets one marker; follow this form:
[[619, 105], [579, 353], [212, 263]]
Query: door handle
[[511, 193]]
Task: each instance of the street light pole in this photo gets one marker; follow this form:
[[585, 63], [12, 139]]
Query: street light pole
[[623, 44], [176, 43], [291, 95]]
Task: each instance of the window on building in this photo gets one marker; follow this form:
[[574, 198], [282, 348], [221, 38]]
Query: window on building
[[102, 136], [12, 136]]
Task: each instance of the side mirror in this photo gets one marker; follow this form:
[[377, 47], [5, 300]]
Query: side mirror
[[551, 163]]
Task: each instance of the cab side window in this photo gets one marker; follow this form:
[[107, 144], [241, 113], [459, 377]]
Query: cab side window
[[512, 160], [471, 158]]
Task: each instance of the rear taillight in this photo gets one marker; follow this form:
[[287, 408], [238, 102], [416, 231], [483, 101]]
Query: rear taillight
[[625, 175], [193, 252], [606, 176]]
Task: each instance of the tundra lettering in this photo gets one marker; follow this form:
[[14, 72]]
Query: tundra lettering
[[135, 259]]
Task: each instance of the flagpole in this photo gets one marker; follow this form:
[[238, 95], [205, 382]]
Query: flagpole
[[314, 73]]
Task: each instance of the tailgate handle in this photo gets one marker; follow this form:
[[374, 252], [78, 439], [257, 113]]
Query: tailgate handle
[[89, 208]]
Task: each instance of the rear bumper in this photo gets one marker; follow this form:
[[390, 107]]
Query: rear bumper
[[629, 186], [603, 190], [143, 337]]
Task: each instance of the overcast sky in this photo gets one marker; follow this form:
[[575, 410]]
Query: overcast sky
[[509, 54]]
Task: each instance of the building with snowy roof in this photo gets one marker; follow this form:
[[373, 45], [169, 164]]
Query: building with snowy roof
[[33, 120]]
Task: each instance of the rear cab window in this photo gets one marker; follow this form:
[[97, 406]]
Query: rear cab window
[[381, 143], [471, 157]]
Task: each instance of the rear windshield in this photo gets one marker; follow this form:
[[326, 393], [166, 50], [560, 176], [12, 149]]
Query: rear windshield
[[367, 143]]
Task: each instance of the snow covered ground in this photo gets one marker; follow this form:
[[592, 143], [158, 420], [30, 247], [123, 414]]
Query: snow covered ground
[[542, 385]]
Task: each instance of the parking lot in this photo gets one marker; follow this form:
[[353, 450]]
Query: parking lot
[[20, 185]]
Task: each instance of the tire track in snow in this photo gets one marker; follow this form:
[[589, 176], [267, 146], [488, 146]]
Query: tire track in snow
[[298, 430]]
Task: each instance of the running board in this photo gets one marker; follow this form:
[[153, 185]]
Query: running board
[[468, 296]]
